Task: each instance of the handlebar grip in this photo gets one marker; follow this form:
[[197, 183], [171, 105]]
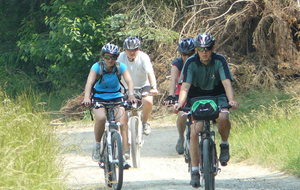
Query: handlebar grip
[[185, 109]]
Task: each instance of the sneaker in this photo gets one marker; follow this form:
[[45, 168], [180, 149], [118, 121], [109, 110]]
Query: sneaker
[[224, 154], [195, 179], [179, 146], [126, 165], [146, 128], [96, 152]]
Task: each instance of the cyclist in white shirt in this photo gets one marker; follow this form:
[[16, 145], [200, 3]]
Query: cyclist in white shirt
[[142, 74]]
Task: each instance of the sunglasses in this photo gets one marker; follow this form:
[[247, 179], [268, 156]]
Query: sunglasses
[[107, 57], [204, 48]]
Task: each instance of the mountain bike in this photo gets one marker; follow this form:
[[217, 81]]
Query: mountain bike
[[135, 127], [111, 155], [209, 163]]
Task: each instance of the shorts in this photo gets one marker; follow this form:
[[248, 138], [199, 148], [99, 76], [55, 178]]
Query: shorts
[[138, 92], [110, 100]]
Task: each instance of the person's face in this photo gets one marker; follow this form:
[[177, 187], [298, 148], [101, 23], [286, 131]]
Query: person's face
[[109, 59], [131, 53], [205, 53], [187, 55]]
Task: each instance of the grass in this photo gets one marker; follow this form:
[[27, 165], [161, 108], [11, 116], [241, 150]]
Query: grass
[[28, 147], [266, 131]]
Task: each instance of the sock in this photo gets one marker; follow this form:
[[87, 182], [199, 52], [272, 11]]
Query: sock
[[195, 169], [224, 142]]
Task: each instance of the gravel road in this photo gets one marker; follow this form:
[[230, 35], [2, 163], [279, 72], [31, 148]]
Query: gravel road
[[161, 167]]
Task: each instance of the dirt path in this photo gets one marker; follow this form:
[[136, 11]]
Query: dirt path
[[161, 168]]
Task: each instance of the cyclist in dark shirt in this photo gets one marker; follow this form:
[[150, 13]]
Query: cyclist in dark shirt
[[206, 73]]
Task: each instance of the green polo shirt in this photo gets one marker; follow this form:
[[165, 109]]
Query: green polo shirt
[[206, 80]]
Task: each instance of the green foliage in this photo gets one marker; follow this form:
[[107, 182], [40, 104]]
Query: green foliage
[[268, 134], [28, 148]]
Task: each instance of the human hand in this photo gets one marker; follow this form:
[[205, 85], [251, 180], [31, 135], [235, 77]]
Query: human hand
[[153, 92], [176, 108], [169, 100], [234, 105], [86, 101], [132, 99]]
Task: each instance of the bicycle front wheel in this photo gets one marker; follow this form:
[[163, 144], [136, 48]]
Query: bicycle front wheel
[[208, 165], [117, 161], [135, 144], [107, 165]]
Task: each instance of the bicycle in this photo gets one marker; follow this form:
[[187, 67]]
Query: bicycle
[[135, 128], [209, 162], [111, 155]]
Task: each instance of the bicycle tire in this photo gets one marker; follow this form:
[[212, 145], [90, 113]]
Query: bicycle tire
[[117, 164], [208, 165], [107, 166], [135, 144]]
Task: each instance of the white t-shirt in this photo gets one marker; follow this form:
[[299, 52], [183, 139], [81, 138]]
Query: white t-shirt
[[138, 69]]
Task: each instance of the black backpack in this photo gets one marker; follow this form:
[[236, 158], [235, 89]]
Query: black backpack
[[205, 109]]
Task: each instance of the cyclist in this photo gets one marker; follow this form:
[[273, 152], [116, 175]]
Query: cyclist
[[207, 74], [186, 48], [107, 88], [142, 73]]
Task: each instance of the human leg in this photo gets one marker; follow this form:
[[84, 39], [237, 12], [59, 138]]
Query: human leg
[[224, 126], [100, 119], [147, 109], [121, 116], [195, 153], [180, 123]]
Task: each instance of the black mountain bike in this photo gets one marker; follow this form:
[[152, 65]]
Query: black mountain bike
[[111, 155], [209, 163]]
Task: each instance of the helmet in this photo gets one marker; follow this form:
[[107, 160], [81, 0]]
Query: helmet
[[111, 49], [131, 43], [186, 45], [204, 40]]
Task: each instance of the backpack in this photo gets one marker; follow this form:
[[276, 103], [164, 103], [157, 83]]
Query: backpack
[[116, 69], [205, 109]]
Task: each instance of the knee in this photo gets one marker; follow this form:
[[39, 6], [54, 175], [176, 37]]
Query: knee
[[100, 119], [223, 117], [148, 101]]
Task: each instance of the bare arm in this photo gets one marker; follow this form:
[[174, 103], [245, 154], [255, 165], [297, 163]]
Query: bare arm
[[153, 84], [129, 83], [183, 94], [174, 80], [229, 93], [88, 87]]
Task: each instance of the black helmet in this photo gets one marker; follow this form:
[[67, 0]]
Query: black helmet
[[186, 45], [131, 43], [111, 49], [204, 40]]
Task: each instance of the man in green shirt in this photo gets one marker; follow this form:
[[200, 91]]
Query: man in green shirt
[[207, 74]]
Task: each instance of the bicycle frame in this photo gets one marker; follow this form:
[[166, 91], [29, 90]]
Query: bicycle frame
[[112, 153], [207, 145]]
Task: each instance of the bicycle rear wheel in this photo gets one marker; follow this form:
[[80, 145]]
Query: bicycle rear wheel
[[208, 165], [117, 161], [136, 133]]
